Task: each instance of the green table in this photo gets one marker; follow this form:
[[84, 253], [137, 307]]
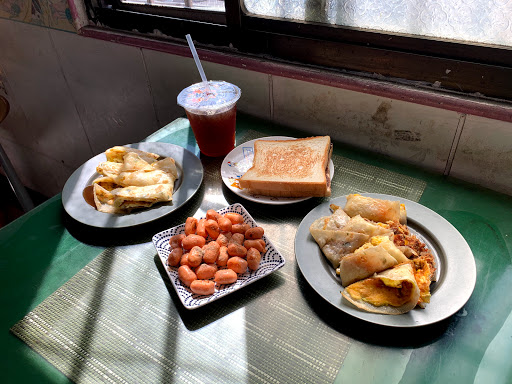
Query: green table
[[44, 249]]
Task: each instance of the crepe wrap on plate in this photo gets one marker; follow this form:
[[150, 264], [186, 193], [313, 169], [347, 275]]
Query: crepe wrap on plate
[[335, 243], [375, 209], [116, 154], [361, 225], [391, 292], [139, 180], [390, 247], [363, 263], [137, 172], [332, 222]]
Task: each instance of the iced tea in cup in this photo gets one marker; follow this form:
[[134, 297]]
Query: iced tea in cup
[[211, 111]]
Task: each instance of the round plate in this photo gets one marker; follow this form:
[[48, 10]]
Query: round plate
[[190, 176], [240, 159], [456, 269]]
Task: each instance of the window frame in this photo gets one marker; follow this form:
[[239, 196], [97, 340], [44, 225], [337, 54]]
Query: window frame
[[469, 70]]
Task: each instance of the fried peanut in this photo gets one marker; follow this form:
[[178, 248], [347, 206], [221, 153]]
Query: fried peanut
[[201, 230], [237, 238], [175, 241], [234, 245], [254, 233], [191, 241], [240, 228], [212, 214], [190, 226], [174, 257], [184, 259], [206, 271], [224, 224], [223, 239], [225, 276], [202, 287], [195, 256], [186, 275], [211, 252], [237, 250], [237, 264], [259, 244], [212, 228], [222, 260], [234, 217], [253, 259]]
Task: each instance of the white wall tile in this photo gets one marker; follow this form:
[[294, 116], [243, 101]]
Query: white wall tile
[[44, 117], [484, 154], [109, 87], [410, 132], [37, 171], [255, 99], [169, 74], [15, 125]]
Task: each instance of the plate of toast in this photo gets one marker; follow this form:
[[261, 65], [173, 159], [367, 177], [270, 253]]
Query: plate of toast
[[279, 169]]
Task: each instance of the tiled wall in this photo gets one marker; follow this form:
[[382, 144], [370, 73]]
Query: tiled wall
[[72, 97]]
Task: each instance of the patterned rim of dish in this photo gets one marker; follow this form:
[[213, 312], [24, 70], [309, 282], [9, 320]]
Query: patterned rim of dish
[[271, 261]]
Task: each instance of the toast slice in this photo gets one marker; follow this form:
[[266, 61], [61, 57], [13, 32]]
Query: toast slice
[[290, 168]]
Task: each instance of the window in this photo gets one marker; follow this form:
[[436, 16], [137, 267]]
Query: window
[[457, 46]]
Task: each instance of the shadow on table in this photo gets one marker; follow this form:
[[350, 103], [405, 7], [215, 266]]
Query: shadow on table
[[368, 332], [262, 212], [198, 318]]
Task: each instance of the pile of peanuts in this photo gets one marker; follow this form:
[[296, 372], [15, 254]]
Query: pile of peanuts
[[233, 247]]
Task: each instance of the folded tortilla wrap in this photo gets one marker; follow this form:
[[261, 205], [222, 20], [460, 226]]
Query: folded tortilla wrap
[[167, 165], [336, 243], [364, 263], [117, 153], [372, 209], [123, 200], [361, 225], [392, 292], [332, 222], [386, 243]]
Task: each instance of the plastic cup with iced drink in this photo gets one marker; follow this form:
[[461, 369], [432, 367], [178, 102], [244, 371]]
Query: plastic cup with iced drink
[[211, 111]]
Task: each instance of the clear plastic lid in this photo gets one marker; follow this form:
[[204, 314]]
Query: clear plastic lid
[[209, 97]]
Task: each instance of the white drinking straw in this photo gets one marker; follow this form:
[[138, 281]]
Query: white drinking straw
[[196, 59]]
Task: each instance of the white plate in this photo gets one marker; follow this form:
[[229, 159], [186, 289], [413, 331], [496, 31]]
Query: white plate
[[271, 261], [190, 176], [240, 159], [456, 270]]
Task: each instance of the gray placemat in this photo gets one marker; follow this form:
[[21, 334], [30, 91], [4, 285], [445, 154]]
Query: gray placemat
[[351, 176], [119, 321]]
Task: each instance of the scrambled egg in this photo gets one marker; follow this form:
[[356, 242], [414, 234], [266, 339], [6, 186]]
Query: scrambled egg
[[422, 274], [380, 292]]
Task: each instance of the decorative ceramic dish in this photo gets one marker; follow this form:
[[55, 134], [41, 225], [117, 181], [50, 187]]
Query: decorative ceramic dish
[[271, 261]]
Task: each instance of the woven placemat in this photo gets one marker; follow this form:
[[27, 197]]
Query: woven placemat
[[119, 320], [352, 176]]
